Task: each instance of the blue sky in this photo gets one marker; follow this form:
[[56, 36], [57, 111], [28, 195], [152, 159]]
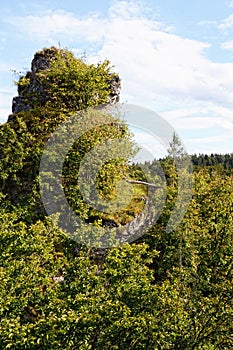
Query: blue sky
[[174, 56]]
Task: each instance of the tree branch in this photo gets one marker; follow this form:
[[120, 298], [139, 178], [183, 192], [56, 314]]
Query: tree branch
[[142, 183]]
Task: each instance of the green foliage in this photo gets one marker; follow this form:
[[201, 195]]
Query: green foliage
[[23, 84], [222, 162], [72, 84], [69, 85], [137, 296], [165, 291]]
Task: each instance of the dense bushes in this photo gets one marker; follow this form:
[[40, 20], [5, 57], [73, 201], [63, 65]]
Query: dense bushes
[[165, 291]]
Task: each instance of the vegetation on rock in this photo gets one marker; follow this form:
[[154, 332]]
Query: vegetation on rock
[[164, 291]]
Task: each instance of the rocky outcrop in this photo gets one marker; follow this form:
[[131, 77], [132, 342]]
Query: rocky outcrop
[[115, 89], [19, 103], [34, 90]]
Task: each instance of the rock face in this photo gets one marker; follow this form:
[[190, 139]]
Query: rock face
[[114, 96], [41, 61]]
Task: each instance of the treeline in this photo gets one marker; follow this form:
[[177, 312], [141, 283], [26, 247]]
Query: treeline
[[213, 161], [224, 161]]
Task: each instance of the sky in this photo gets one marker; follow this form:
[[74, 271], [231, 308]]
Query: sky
[[174, 57]]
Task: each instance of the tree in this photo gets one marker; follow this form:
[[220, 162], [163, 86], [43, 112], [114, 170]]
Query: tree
[[167, 290], [59, 86]]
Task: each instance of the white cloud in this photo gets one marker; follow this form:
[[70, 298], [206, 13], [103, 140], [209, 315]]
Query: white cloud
[[158, 68], [59, 23], [202, 117], [152, 61], [204, 128], [210, 144], [227, 45], [227, 23]]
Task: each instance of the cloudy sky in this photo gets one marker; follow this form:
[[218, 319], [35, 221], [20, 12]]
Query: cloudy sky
[[173, 56]]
